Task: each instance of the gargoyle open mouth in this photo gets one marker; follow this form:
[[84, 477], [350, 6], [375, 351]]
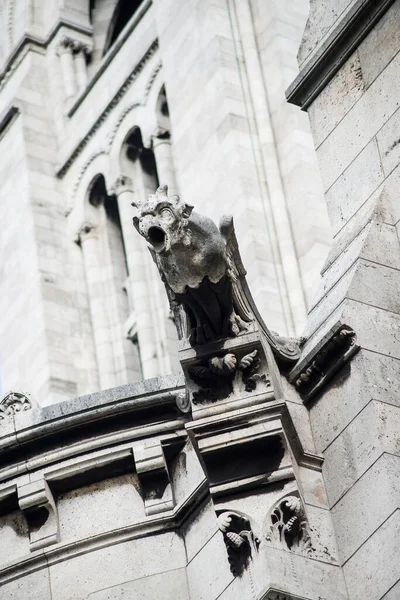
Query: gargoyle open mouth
[[157, 238]]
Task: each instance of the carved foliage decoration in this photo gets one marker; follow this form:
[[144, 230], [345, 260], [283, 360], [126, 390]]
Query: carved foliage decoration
[[216, 376], [12, 403], [288, 526], [336, 351], [240, 541]]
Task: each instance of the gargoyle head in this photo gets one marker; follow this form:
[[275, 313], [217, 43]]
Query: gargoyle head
[[162, 219]]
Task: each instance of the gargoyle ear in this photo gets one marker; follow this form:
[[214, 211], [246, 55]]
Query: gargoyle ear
[[186, 210]]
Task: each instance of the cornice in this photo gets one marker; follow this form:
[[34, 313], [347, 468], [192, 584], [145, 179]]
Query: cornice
[[332, 54], [96, 422], [41, 43]]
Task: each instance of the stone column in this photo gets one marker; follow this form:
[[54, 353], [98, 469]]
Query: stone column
[[274, 195], [81, 52], [65, 52], [88, 236], [161, 144], [138, 279]]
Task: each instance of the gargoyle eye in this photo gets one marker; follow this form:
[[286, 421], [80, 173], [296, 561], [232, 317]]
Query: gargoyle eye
[[166, 213]]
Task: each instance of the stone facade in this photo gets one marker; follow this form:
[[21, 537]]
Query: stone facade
[[184, 94], [267, 468]]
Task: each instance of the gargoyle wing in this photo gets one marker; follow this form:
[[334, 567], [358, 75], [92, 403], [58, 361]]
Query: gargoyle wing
[[285, 349]]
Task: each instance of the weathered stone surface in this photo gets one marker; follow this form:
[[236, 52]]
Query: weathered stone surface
[[36, 584], [370, 376], [172, 583], [94, 571], [373, 431], [367, 505], [208, 578], [380, 46], [100, 507], [200, 530], [377, 560], [336, 99]]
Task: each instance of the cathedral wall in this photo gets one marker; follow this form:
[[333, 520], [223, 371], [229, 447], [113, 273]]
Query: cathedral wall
[[354, 119]]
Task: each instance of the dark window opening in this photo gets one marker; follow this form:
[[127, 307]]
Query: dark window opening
[[122, 14]]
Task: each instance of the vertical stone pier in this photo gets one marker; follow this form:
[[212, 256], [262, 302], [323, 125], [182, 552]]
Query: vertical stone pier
[[349, 83]]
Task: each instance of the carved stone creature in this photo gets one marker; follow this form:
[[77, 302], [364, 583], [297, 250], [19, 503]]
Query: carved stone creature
[[190, 253], [203, 273]]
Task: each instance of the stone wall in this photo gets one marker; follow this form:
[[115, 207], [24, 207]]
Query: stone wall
[[349, 86]]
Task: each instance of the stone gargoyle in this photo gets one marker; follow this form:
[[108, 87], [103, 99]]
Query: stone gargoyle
[[201, 268]]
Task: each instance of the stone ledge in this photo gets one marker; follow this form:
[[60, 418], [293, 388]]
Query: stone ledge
[[333, 53], [90, 423]]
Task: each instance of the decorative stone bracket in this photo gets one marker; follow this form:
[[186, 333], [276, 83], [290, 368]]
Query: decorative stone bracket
[[37, 503], [313, 372], [153, 474]]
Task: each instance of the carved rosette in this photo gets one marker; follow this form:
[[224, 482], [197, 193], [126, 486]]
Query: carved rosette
[[12, 403], [288, 526]]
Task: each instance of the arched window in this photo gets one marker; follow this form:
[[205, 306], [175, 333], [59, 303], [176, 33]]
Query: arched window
[[107, 273], [122, 14]]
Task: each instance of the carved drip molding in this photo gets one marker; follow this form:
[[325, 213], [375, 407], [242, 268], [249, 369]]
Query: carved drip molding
[[332, 54], [62, 169], [12, 403], [152, 470], [314, 371]]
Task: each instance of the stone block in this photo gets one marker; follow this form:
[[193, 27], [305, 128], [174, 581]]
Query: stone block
[[388, 139], [370, 501], [200, 529], [208, 572], [115, 564], [34, 585], [373, 431], [380, 45], [360, 124], [370, 376], [359, 180], [94, 509], [336, 99], [171, 584], [377, 329], [377, 561]]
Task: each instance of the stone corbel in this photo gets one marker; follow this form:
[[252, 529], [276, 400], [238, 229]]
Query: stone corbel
[[152, 470], [37, 503], [314, 371], [239, 538]]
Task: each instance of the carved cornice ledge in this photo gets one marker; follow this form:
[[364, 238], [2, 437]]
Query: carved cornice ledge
[[328, 59]]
